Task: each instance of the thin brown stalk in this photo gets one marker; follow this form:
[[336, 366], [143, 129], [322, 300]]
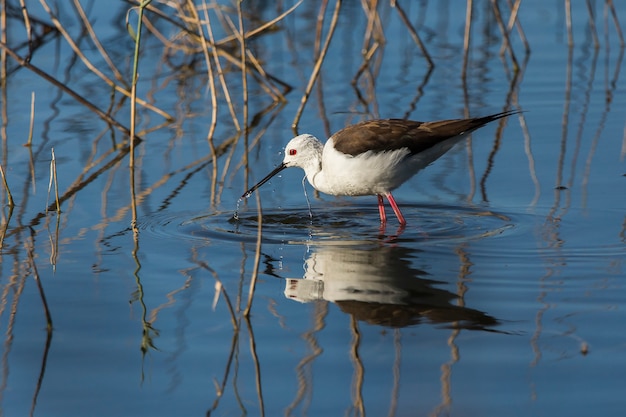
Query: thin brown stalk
[[568, 23], [413, 32], [371, 11], [319, 26], [59, 26], [53, 171], [213, 124], [6, 187], [257, 368], [268, 87], [611, 6], [244, 83], [220, 76], [31, 259], [505, 34], [28, 27], [96, 41], [261, 74], [466, 38], [366, 62], [29, 140], [317, 67], [54, 243], [83, 101], [359, 369], [514, 21], [262, 28], [242, 64], [592, 25], [257, 257]]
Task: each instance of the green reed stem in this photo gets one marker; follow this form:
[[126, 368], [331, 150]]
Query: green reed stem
[[133, 102]]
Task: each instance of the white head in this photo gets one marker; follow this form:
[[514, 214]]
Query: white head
[[303, 151]]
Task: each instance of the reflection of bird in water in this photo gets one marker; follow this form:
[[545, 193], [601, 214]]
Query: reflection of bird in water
[[380, 286]]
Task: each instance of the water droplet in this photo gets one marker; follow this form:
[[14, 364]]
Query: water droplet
[[236, 214]]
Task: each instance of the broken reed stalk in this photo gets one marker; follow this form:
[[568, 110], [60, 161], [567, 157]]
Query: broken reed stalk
[[29, 32], [317, 67], [29, 141], [6, 187], [133, 104], [53, 179]]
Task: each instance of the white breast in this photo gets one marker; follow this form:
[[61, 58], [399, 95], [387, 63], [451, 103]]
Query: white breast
[[372, 173]]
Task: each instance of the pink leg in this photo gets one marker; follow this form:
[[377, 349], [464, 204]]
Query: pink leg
[[395, 208], [381, 210]]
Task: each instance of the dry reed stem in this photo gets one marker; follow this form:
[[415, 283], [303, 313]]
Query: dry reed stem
[[514, 21], [54, 244], [319, 29], [317, 67], [257, 256], [53, 178], [219, 287], [83, 101], [93, 68], [209, 65], [29, 140], [412, 31], [29, 33], [217, 47], [365, 64], [592, 26], [257, 367], [609, 4], [358, 378], [264, 80], [6, 187], [30, 248], [220, 76], [568, 23], [244, 83], [94, 38], [370, 8], [505, 34], [260, 29], [466, 39]]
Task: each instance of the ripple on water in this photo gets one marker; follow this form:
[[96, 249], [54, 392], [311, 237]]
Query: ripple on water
[[334, 225]]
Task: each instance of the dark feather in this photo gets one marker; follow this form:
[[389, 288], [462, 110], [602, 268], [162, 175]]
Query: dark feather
[[392, 134]]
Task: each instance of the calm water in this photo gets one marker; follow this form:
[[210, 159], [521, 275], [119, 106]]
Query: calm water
[[504, 295]]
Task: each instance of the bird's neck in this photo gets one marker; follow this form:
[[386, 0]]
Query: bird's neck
[[313, 167]]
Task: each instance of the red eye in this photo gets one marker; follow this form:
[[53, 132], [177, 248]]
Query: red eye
[[292, 152]]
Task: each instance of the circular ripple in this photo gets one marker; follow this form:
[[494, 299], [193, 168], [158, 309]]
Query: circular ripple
[[334, 225]]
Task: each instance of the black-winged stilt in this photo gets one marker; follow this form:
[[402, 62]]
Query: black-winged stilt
[[376, 156]]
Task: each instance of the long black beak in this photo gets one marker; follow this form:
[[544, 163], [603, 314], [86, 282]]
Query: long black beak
[[264, 180]]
